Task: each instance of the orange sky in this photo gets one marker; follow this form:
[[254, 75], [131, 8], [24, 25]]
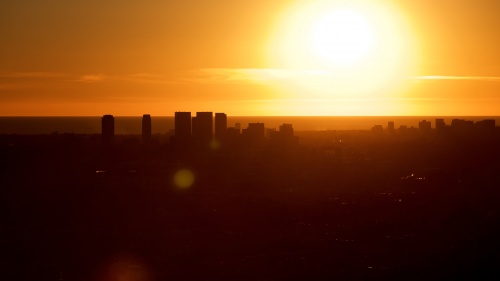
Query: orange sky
[[134, 57]]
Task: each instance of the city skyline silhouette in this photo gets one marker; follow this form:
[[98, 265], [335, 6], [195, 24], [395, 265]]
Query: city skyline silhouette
[[388, 202], [249, 140]]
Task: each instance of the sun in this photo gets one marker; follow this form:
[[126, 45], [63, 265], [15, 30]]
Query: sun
[[341, 37], [359, 48]]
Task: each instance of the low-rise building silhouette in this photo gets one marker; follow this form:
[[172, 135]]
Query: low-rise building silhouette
[[284, 138], [254, 133], [378, 130]]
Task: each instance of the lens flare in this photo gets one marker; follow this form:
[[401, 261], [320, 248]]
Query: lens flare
[[214, 144], [184, 178]]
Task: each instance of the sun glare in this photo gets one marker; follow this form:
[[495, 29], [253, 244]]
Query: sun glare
[[341, 37], [365, 47]]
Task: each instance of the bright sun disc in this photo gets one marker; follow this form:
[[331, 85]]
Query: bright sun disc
[[341, 37], [358, 49]]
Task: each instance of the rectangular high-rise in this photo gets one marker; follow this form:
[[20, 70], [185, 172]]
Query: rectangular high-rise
[[424, 126], [183, 125], [220, 125], [203, 128], [108, 129], [390, 128], [440, 125], [146, 128], [286, 130]]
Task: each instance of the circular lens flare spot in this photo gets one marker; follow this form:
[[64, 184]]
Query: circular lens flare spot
[[126, 268], [214, 144], [184, 178]]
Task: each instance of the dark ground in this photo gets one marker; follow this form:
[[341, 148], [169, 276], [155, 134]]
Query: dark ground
[[261, 213]]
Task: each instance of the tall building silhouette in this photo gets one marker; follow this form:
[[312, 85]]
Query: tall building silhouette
[[203, 128], [146, 128], [182, 125], [220, 126], [108, 129], [440, 125], [286, 130], [424, 126], [390, 128]]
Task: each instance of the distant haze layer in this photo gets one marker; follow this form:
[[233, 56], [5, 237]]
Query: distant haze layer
[[163, 124]]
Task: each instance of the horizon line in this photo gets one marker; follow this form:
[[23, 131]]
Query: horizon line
[[134, 116]]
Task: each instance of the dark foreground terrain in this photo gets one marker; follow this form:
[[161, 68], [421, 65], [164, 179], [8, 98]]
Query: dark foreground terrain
[[340, 206]]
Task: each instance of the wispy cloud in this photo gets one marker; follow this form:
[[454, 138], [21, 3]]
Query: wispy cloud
[[442, 77], [91, 78], [141, 78], [252, 75], [13, 78], [267, 75], [32, 75], [202, 76], [148, 78]]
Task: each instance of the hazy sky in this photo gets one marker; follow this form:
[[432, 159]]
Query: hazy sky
[[127, 57]]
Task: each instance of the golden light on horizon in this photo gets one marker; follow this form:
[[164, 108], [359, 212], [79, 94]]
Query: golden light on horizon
[[283, 57], [362, 49]]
